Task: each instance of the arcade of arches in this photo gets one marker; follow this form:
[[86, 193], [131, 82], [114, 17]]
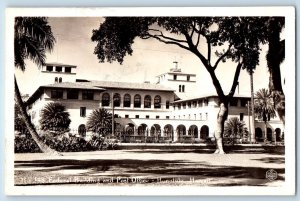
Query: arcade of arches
[[156, 132]]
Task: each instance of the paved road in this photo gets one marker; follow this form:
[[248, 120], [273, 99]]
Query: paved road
[[150, 167]]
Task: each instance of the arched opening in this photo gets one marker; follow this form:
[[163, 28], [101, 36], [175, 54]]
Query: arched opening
[[60, 80], [193, 131], [155, 133], [137, 101], [181, 131], [278, 133], [157, 102], [169, 132], [142, 130], [117, 100], [105, 99], [258, 134], [269, 134], [127, 100], [129, 132], [147, 101], [204, 132], [82, 130]]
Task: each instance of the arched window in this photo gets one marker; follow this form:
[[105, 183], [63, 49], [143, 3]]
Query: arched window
[[60, 80], [56, 80], [179, 88], [182, 88], [137, 100], [105, 99], [117, 100], [147, 101], [127, 100], [82, 130], [157, 102]]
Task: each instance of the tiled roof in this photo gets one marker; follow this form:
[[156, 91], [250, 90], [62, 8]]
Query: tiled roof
[[72, 85], [210, 95], [126, 85], [58, 64]]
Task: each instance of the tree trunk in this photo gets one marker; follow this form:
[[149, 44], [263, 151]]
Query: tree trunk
[[43, 147], [222, 116]]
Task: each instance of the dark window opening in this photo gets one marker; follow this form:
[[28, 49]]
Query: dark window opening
[[58, 69], [137, 101], [147, 117], [72, 94], [127, 100], [87, 95], [49, 68], [188, 78], [82, 111], [126, 116], [137, 116], [157, 117], [68, 69], [57, 94], [157, 102], [167, 104], [241, 116], [183, 88], [179, 88], [56, 79], [147, 101], [167, 117], [234, 102], [60, 80], [244, 102], [105, 99], [117, 100], [174, 77]]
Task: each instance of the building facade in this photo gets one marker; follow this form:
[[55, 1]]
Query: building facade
[[146, 112]]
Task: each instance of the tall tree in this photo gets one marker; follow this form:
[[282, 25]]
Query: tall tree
[[275, 56], [238, 37], [264, 107], [32, 38]]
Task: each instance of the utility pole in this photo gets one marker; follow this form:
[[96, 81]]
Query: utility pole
[[250, 133]]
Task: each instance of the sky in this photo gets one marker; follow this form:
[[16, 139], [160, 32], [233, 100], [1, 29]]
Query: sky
[[149, 59]]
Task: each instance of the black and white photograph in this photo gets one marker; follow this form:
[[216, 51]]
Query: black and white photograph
[[150, 101]]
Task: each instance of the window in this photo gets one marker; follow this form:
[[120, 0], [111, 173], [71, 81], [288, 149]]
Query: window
[[105, 99], [188, 78], [117, 100], [82, 130], [244, 102], [179, 88], [241, 116], [179, 107], [167, 104], [233, 102], [126, 116], [57, 94], [157, 117], [184, 105], [189, 105], [200, 116], [189, 116], [183, 88], [205, 102], [82, 111], [56, 79], [137, 101], [68, 69], [137, 116], [147, 116], [72, 94], [194, 104], [206, 116], [157, 102], [49, 68], [87, 95], [167, 117], [60, 80], [58, 69], [147, 101], [127, 100], [195, 116], [174, 77]]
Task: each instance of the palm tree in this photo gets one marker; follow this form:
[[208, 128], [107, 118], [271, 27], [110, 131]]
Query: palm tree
[[32, 38], [100, 121], [54, 117], [234, 128], [264, 106]]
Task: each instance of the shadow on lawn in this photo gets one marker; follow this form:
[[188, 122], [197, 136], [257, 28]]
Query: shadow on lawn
[[153, 168]]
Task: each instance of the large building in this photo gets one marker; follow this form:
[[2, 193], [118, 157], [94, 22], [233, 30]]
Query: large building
[[164, 111]]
